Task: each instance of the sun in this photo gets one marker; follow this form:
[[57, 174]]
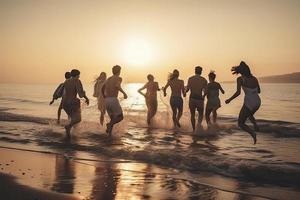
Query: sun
[[137, 52]]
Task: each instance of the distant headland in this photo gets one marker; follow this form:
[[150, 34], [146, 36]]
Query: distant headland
[[284, 78]]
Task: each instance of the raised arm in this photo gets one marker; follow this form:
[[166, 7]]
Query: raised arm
[[238, 90]]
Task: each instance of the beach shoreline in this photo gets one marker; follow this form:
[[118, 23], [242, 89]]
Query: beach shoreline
[[39, 175]]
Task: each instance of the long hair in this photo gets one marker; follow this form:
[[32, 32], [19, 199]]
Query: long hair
[[173, 75], [101, 77], [242, 69]]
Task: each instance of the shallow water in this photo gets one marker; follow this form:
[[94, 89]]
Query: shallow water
[[223, 153]]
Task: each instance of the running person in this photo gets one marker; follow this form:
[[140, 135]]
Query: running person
[[176, 101], [98, 94], [150, 97], [110, 91], [252, 102], [213, 100], [197, 85], [58, 93], [71, 104]]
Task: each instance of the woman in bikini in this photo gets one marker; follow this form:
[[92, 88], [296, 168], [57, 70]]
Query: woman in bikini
[[176, 101], [252, 102], [213, 100]]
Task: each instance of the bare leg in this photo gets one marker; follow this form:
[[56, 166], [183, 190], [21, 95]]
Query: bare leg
[[148, 117], [102, 117], [215, 115], [151, 113], [192, 111], [174, 117], [179, 115], [200, 109], [75, 119], [207, 116], [244, 114], [59, 113], [113, 120], [253, 120]]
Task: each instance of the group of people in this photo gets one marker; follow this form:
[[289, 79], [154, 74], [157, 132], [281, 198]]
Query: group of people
[[106, 91]]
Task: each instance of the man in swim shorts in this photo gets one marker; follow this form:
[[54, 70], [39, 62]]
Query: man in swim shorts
[[197, 85], [71, 104], [110, 91]]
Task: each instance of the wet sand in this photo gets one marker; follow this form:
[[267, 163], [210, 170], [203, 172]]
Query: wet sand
[[10, 189], [33, 175]]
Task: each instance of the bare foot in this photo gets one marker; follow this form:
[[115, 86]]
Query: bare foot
[[253, 135], [58, 121], [109, 129]]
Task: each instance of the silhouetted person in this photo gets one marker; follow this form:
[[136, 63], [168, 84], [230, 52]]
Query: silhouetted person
[[213, 100], [252, 101], [197, 85], [110, 91], [98, 93], [71, 104], [176, 101], [150, 97], [58, 93]]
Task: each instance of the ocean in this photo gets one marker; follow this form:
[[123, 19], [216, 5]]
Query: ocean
[[213, 157]]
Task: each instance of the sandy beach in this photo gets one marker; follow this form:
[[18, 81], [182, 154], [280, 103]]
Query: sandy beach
[[34, 175]]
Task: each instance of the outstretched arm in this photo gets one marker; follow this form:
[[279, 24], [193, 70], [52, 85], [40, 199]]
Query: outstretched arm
[[165, 88], [158, 89], [238, 90]]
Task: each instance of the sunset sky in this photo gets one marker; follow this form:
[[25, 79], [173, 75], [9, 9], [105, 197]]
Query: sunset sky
[[41, 39]]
